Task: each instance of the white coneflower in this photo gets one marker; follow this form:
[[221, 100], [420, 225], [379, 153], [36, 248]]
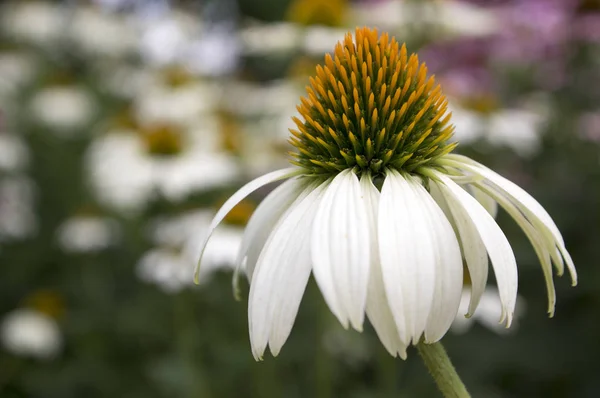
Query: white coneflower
[[17, 208], [488, 312], [14, 153], [377, 209], [171, 261], [31, 333], [88, 234], [35, 22], [64, 108], [519, 128], [270, 39], [128, 167], [102, 34], [175, 96]]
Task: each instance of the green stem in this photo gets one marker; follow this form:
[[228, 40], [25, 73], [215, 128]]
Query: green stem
[[441, 369]]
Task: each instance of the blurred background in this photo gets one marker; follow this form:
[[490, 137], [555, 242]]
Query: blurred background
[[126, 123]]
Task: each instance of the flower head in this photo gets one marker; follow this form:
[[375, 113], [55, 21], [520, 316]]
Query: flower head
[[380, 211], [372, 107]]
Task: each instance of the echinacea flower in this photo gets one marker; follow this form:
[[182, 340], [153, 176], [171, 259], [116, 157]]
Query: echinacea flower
[[380, 211]]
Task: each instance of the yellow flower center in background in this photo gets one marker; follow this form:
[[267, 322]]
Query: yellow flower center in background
[[484, 104], [162, 139], [241, 213], [371, 106], [47, 302], [317, 12], [177, 76]]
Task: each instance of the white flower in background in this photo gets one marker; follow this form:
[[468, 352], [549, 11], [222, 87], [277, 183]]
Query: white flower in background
[[215, 53], [487, 313], [123, 80], [115, 5], [172, 262], [376, 209], [37, 22], [518, 129], [265, 109], [392, 15], [449, 18], [589, 126], [271, 99], [261, 145], [31, 333], [319, 40], [184, 103], [270, 39], [65, 109], [16, 70], [99, 33], [125, 173], [85, 234], [459, 18], [17, 213], [14, 153], [166, 36]]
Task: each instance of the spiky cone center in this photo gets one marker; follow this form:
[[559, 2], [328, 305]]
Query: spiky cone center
[[370, 107]]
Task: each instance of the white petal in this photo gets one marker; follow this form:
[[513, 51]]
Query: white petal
[[378, 309], [485, 200], [264, 219], [340, 249], [281, 275], [407, 259], [448, 269], [537, 241], [237, 198], [472, 247], [463, 206], [536, 214]]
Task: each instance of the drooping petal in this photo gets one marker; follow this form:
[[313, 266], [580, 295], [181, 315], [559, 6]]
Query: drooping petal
[[407, 258], [281, 275], [264, 219], [378, 309], [532, 209], [237, 198], [464, 206], [340, 249], [448, 268], [539, 245], [484, 199], [472, 247]]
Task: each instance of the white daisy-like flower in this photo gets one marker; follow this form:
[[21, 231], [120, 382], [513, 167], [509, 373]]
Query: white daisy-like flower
[[99, 33], [460, 18], [127, 168], [86, 234], [377, 209], [172, 261], [487, 314], [64, 109], [31, 333], [516, 128], [165, 36], [17, 213], [270, 39], [35, 22], [178, 102], [16, 70], [14, 153], [318, 40], [215, 53]]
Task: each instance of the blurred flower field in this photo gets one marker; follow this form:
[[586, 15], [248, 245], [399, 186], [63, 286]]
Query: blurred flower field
[[125, 124]]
